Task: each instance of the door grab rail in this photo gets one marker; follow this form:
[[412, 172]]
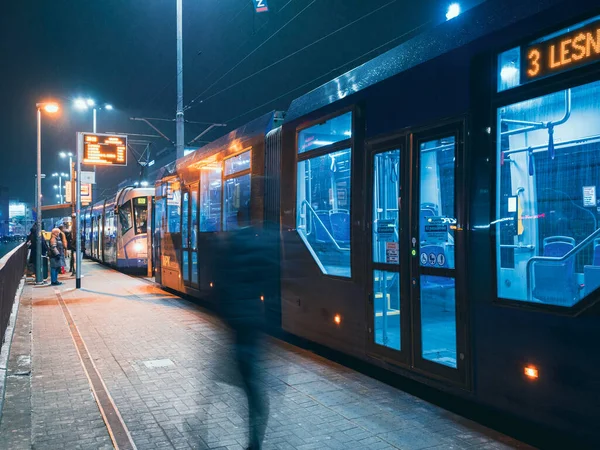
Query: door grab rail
[[575, 250]]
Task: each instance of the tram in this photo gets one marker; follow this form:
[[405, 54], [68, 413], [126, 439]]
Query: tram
[[437, 210], [115, 230]]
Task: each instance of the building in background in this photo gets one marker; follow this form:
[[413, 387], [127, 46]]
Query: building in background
[[4, 216]]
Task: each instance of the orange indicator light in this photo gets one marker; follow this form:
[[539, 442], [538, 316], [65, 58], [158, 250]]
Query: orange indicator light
[[262, 298], [211, 285], [531, 372], [337, 319]]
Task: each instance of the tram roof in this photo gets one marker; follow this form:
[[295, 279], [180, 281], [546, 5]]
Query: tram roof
[[484, 19], [259, 126]]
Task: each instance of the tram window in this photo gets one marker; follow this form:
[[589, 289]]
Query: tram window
[[438, 319], [184, 212], [548, 160], [326, 133], [210, 198], [236, 202], [140, 209], [238, 163], [125, 217], [174, 207], [323, 210], [437, 217], [194, 224], [386, 195], [386, 290]]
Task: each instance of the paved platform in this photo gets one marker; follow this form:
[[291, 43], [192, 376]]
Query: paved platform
[[123, 361]]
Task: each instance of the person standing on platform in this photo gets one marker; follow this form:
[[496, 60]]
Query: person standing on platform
[[243, 264], [71, 247], [57, 256]]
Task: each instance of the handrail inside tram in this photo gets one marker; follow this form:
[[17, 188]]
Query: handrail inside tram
[[314, 213]]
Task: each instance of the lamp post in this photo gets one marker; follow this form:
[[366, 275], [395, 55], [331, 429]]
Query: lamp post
[[70, 156], [50, 108], [84, 104]]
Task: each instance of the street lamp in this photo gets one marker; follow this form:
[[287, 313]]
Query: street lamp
[[59, 186], [70, 156], [84, 104], [50, 108]]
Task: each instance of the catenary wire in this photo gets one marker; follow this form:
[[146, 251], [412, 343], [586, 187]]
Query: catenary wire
[[327, 73], [249, 54], [297, 51]]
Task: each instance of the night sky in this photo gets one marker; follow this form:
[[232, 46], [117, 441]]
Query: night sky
[[123, 52]]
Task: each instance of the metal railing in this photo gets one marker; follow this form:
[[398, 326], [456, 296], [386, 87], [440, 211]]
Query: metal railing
[[318, 219], [12, 268]]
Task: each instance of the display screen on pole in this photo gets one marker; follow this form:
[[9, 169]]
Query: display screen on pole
[[105, 149]]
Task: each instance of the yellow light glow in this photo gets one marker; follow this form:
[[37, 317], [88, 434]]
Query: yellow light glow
[[262, 298], [531, 372], [337, 319], [211, 285], [51, 108]]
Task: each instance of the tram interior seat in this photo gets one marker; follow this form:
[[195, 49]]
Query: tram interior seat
[[591, 274], [340, 226], [320, 232], [555, 282]]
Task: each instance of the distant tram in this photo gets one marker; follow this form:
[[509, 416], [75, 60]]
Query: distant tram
[[115, 230], [437, 208]]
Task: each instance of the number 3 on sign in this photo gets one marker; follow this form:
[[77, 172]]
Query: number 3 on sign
[[534, 59]]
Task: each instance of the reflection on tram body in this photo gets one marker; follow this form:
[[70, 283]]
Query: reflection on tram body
[[548, 173]]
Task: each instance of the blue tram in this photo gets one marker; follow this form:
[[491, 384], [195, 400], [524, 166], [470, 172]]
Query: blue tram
[[115, 230], [437, 210]]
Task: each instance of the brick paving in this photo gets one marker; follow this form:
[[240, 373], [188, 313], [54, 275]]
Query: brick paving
[[166, 364]]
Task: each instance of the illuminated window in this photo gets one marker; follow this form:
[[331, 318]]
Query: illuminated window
[[125, 217], [210, 198], [548, 173], [140, 208], [329, 132], [323, 210]]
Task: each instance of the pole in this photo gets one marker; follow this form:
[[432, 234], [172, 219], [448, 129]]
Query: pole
[[38, 201], [60, 189], [94, 121], [179, 145], [77, 194]]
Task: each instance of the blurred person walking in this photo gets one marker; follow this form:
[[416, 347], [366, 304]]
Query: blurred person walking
[[244, 275]]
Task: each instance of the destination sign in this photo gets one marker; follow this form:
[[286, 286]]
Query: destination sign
[[104, 149], [563, 51]]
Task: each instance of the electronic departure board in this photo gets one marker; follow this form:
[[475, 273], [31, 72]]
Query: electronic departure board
[[570, 48], [105, 149]]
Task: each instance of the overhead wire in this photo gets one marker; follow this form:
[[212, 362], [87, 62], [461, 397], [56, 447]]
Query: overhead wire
[[328, 73], [252, 75], [249, 54], [172, 80]]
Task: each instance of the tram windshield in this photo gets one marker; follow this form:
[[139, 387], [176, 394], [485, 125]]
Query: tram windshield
[[547, 210], [125, 217], [140, 208]]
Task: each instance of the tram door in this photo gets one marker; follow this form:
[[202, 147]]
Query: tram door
[[416, 303], [189, 236]]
